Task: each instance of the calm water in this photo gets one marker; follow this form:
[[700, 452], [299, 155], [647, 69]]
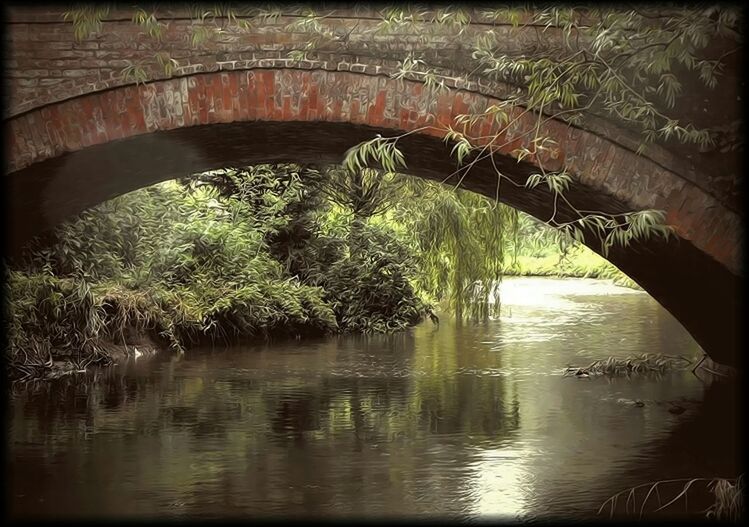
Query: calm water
[[454, 421]]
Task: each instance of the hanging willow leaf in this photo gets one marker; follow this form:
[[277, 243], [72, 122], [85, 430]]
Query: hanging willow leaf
[[379, 150], [167, 63], [134, 73], [149, 23], [86, 20], [629, 63]]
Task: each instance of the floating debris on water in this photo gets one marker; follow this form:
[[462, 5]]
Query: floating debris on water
[[643, 364]]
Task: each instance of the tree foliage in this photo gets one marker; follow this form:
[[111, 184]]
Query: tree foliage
[[224, 255], [462, 241]]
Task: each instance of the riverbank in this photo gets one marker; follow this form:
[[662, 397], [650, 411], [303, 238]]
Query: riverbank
[[237, 257], [117, 326], [577, 262]]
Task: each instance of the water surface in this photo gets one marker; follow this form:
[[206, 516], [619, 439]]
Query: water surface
[[458, 421]]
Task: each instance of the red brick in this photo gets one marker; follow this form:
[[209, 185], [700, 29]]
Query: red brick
[[252, 95], [135, 112], [354, 111], [312, 95], [287, 114]]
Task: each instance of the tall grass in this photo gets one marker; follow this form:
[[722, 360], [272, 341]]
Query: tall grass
[[672, 497]]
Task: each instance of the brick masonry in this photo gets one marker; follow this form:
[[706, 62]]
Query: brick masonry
[[45, 64], [286, 94]]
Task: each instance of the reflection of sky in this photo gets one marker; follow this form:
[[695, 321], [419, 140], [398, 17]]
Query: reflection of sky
[[501, 482], [550, 292], [533, 308], [583, 320], [574, 440]]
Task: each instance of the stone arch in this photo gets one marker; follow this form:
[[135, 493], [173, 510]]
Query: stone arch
[[70, 155]]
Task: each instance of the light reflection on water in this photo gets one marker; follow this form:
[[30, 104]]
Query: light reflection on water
[[456, 420]]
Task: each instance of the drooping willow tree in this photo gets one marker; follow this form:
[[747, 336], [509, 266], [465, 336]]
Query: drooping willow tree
[[463, 242], [459, 239]]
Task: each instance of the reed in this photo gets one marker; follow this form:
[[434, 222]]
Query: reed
[[729, 499], [653, 498]]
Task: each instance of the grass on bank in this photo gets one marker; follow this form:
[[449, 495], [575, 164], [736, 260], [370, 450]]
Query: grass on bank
[[183, 264], [577, 262]]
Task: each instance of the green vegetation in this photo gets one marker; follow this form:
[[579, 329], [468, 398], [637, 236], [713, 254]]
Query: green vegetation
[[577, 261], [269, 250], [541, 251], [180, 264]]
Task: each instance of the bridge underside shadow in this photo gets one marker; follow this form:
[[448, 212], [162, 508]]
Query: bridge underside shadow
[[700, 292]]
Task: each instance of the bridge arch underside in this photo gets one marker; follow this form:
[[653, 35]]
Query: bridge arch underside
[[64, 168]]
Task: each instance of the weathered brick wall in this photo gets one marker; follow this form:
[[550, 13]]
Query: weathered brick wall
[[44, 64], [319, 95]]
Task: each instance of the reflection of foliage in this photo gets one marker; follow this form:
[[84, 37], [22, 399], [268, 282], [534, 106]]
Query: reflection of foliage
[[236, 422]]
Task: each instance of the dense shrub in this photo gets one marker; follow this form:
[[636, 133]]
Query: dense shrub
[[228, 255], [371, 289]]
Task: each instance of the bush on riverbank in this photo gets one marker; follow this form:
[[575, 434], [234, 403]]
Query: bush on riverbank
[[239, 256], [370, 290]]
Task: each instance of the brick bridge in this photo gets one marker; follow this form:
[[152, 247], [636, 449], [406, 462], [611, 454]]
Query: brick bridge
[[80, 132]]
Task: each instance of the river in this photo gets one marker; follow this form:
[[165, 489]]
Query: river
[[456, 421]]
